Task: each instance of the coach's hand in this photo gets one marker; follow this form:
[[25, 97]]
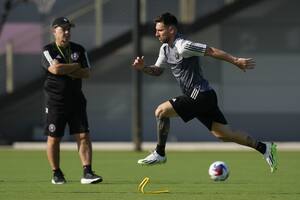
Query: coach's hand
[[54, 62]]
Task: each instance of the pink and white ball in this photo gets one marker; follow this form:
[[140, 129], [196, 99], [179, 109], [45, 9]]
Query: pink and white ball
[[218, 171]]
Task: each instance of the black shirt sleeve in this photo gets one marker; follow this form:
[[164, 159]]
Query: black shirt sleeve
[[84, 60], [46, 58]]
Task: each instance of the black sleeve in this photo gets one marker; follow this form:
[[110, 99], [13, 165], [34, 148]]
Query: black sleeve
[[46, 58], [84, 60]]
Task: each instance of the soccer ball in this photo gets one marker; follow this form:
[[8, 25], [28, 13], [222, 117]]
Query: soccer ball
[[218, 171]]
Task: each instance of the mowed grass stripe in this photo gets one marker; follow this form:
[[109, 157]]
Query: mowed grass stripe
[[26, 175]]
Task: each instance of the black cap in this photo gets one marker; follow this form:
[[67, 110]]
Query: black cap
[[62, 21]]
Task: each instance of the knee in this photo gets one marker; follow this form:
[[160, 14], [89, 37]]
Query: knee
[[83, 138], [160, 112], [219, 135], [53, 140]]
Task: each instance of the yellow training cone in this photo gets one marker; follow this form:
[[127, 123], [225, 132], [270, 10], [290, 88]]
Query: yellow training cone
[[142, 185]]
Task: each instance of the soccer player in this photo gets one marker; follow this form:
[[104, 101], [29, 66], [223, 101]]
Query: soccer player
[[198, 100], [66, 64]]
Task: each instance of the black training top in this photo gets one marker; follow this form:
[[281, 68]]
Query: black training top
[[61, 89]]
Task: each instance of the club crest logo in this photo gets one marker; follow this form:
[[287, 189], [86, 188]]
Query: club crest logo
[[51, 128], [74, 56]]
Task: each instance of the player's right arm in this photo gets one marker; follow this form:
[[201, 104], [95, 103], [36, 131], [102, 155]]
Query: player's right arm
[[155, 70], [151, 70]]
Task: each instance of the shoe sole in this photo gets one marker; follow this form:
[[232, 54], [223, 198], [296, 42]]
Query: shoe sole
[[91, 181], [151, 164], [57, 183]]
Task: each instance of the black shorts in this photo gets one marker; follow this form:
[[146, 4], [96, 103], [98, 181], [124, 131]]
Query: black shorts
[[204, 107], [58, 117]]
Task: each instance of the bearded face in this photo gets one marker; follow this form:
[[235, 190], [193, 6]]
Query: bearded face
[[164, 33]]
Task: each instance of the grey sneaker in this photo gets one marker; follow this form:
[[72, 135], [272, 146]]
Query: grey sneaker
[[91, 178], [58, 178], [153, 159], [271, 155]]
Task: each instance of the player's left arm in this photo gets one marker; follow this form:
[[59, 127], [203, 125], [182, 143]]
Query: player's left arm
[[84, 71], [242, 63]]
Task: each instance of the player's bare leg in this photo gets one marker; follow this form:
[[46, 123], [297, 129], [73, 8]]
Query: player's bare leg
[[226, 134], [163, 113], [268, 149]]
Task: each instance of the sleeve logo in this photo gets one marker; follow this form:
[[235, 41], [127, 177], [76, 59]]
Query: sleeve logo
[[51, 128]]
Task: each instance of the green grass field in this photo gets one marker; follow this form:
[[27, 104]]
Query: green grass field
[[26, 175]]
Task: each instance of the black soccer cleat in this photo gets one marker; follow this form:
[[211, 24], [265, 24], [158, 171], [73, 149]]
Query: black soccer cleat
[[91, 178], [58, 178]]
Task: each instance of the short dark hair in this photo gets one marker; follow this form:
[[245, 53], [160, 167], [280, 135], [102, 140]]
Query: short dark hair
[[167, 19]]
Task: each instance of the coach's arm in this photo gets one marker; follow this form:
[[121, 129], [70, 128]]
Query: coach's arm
[[73, 70]]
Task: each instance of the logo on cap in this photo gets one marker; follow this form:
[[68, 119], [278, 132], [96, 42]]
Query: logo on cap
[[62, 21]]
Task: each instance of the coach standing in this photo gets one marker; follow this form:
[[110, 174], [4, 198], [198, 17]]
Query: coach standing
[[66, 64]]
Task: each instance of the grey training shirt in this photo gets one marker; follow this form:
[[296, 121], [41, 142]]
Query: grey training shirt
[[182, 58]]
